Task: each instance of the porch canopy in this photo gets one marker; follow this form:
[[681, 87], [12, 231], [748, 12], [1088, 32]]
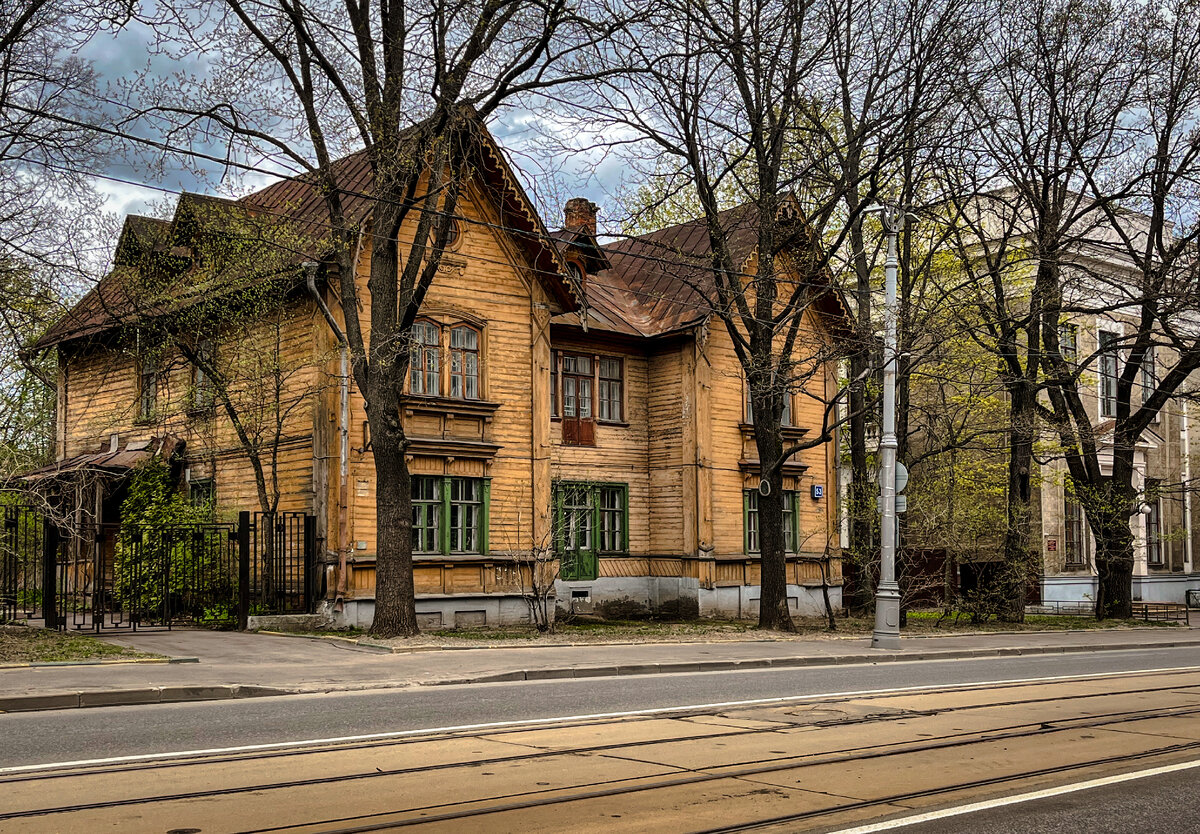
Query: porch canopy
[[115, 462]]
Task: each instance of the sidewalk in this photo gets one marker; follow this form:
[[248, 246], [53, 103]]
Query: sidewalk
[[240, 665]]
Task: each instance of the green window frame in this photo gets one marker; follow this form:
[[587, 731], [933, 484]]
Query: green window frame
[[451, 514], [427, 514], [590, 519], [791, 518]]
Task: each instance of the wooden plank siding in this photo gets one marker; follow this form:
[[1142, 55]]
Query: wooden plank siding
[[681, 445]]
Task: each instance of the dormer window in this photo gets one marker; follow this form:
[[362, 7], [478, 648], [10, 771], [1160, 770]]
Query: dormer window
[[575, 273]]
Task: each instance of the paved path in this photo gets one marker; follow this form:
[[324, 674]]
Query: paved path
[[289, 664]]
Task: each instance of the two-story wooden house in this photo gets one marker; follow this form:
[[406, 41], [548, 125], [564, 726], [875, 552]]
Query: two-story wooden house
[[562, 392]]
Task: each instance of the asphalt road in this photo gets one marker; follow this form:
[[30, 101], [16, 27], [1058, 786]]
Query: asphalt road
[[1159, 804], [69, 735]]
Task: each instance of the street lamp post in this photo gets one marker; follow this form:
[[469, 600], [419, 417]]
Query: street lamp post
[[887, 594]]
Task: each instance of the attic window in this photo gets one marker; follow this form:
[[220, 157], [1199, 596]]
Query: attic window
[[453, 234], [575, 273]]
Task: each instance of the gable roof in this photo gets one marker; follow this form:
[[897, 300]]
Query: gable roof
[[657, 282], [296, 204]]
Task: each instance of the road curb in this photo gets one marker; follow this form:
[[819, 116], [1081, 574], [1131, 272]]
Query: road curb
[[129, 661], [133, 697], [200, 692], [791, 662]]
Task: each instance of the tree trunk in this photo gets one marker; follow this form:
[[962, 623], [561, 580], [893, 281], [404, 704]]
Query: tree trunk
[[773, 610], [1014, 573], [860, 499], [1114, 560], [395, 608]]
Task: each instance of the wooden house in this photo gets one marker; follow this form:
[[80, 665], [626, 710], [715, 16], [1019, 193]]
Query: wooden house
[[563, 393]]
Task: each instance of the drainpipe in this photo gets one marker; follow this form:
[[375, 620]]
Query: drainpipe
[[343, 541], [1187, 489]]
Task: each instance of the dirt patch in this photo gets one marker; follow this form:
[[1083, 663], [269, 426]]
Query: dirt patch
[[23, 644]]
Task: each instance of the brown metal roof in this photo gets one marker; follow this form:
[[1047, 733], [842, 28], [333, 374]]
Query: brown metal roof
[[297, 204], [660, 282]]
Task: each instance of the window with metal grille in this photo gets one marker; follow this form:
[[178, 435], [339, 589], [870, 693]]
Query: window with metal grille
[[424, 373], [427, 513], [610, 389], [464, 362]]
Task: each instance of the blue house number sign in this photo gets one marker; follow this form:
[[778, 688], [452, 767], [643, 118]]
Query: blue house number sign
[[818, 491]]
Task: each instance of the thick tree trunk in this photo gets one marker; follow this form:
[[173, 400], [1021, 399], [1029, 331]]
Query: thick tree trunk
[[395, 608], [1015, 571], [1114, 560], [773, 610]]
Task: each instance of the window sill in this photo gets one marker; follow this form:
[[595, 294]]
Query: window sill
[[785, 431], [412, 403], [616, 424]]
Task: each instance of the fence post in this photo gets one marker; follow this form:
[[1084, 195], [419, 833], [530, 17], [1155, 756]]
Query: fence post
[[243, 537], [310, 562], [50, 574]]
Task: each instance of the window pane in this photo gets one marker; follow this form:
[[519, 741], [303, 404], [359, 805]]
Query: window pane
[[465, 504], [585, 397], [427, 511], [752, 521], [612, 519], [568, 387]]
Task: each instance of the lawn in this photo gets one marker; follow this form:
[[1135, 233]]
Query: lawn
[[920, 623], [23, 644]]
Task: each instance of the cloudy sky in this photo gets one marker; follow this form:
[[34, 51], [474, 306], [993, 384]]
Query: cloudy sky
[[137, 184]]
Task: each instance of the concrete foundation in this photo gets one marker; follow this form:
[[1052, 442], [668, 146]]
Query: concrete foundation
[[1153, 588], [442, 611], [634, 596]]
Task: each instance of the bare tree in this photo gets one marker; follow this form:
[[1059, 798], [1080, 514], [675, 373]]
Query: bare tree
[[302, 82], [48, 208], [1143, 193], [1046, 106], [779, 129]]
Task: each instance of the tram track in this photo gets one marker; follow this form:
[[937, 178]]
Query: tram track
[[304, 748], [744, 770]]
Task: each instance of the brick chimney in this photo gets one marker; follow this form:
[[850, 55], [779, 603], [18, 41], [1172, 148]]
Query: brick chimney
[[580, 213]]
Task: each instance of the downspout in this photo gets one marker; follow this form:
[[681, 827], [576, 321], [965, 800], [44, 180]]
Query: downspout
[[343, 542], [1187, 490]]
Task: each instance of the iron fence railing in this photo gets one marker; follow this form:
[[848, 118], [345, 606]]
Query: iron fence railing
[[109, 576]]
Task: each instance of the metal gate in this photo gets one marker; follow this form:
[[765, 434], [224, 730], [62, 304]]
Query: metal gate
[[21, 564], [113, 577]]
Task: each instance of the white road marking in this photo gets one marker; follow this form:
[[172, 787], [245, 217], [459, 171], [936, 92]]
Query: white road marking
[[930, 816], [564, 719]]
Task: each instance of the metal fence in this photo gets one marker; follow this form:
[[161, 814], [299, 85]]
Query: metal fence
[[113, 577], [21, 563]]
